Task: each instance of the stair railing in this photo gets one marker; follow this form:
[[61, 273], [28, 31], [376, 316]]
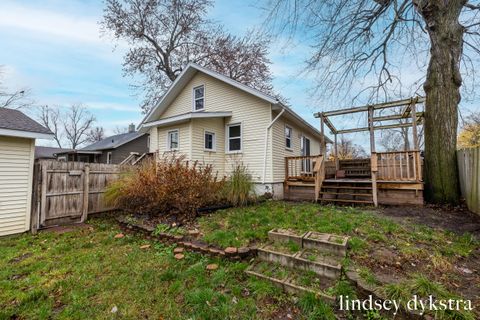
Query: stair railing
[[319, 173]]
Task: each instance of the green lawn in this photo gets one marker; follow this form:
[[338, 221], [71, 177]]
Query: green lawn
[[400, 259], [85, 273]]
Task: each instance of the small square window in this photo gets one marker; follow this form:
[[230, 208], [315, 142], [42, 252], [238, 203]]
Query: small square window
[[288, 137], [199, 98], [173, 140], [209, 141]]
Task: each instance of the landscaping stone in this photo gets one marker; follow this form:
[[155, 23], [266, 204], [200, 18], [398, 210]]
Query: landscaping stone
[[178, 250], [230, 250], [212, 266], [119, 235], [179, 256], [284, 235], [193, 233], [327, 242]]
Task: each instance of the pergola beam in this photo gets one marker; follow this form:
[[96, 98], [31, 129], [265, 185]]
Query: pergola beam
[[374, 106], [388, 126], [396, 117]]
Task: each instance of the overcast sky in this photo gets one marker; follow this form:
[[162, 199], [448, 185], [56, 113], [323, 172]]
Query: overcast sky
[[54, 47]]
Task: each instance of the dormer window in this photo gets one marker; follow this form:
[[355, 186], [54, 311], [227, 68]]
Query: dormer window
[[198, 98]]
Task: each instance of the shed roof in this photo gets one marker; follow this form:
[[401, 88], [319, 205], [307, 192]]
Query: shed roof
[[16, 123]]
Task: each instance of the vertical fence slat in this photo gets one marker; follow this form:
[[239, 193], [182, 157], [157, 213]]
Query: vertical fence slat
[[469, 172]]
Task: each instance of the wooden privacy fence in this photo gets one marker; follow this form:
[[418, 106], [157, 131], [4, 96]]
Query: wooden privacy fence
[[469, 173], [66, 192]]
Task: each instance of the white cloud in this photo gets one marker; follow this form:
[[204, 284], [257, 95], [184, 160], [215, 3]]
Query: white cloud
[[74, 28]]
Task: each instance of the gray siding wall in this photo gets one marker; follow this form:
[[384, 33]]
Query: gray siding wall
[[119, 154]]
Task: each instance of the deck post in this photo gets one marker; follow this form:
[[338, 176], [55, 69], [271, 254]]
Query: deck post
[[373, 159]]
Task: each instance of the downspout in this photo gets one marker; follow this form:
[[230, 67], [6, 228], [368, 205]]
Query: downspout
[[266, 143]]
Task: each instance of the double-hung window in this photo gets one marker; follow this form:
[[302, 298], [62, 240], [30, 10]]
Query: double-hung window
[[198, 98], [234, 137], [288, 137], [109, 157], [209, 141], [172, 142]]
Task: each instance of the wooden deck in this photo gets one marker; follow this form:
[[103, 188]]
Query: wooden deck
[[397, 181]]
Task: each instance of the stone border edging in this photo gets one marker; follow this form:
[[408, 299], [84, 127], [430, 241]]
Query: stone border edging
[[231, 253]]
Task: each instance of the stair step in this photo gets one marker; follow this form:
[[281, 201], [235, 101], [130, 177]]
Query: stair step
[[293, 281], [347, 201], [346, 187], [348, 194]]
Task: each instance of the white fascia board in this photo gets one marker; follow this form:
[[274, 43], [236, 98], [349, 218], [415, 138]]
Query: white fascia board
[[186, 117], [25, 134]]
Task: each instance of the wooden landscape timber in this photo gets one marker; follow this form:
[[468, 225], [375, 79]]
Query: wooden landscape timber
[[392, 178]]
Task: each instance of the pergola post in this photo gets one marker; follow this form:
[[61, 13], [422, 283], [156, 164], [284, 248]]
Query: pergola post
[[337, 164], [418, 174], [322, 131], [373, 159]]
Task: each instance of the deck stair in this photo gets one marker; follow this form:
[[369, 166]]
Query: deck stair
[[311, 262], [347, 191]]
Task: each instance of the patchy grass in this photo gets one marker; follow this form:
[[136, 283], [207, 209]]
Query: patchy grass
[[381, 250], [85, 273]]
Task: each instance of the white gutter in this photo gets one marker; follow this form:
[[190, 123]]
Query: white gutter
[[266, 143]]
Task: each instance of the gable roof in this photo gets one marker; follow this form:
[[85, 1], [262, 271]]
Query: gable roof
[[189, 72], [113, 141], [16, 124]]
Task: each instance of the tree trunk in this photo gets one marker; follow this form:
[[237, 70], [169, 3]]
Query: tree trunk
[[442, 88]]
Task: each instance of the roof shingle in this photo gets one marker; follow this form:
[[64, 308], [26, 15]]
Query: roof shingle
[[15, 120]]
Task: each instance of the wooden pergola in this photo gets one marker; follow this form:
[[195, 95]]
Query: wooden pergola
[[375, 122]]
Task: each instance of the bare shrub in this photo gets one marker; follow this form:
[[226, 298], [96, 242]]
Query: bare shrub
[[169, 186]]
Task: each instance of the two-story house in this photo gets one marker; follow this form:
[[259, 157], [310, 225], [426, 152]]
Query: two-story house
[[211, 118]]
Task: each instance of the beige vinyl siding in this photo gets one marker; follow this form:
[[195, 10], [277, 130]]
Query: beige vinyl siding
[[184, 145], [16, 170], [254, 114], [279, 149], [153, 132], [215, 158]]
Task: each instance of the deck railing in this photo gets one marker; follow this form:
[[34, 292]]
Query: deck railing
[[301, 167], [399, 166]]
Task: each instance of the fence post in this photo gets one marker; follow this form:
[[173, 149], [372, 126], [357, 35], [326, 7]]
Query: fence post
[[86, 192], [43, 201]]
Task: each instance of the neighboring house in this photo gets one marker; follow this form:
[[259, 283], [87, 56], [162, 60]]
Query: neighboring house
[[218, 121], [113, 149], [17, 150], [48, 152]]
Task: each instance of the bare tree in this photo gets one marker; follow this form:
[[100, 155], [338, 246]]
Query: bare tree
[[96, 134], [370, 39], [50, 117], [77, 122], [164, 36], [71, 128], [348, 150], [120, 130], [15, 99]]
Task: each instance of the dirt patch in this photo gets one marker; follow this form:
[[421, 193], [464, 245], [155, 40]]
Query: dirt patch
[[21, 257], [67, 228], [457, 219]]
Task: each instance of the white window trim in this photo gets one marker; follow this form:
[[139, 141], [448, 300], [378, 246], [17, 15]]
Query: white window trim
[[214, 141], [168, 140], [193, 98], [227, 138], [109, 157], [291, 138]]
